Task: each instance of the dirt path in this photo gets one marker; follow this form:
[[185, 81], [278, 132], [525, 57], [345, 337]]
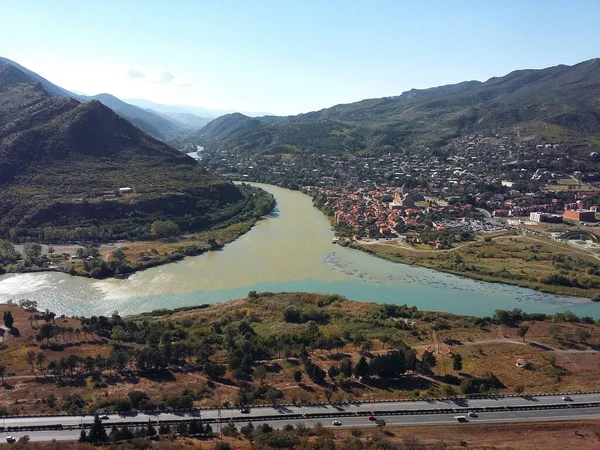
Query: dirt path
[[511, 341]]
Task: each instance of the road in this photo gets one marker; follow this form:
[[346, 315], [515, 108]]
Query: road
[[276, 416], [363, 422]]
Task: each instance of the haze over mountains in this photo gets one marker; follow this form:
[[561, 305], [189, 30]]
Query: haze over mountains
[[62, 163], [163, 126], [559, 104]]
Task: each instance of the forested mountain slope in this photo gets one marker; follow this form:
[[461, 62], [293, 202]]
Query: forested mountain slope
[[62, 163], [560, 103]]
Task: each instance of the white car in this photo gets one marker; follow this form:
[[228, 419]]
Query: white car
[[104, 417], [10, 439], [337, 423], [472, 414], [566, 398]]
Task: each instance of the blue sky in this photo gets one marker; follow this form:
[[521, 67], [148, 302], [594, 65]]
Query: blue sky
[[288, 56]]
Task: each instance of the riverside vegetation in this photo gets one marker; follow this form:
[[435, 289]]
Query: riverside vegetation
[[511, 258], [163, 242], [281, 348]]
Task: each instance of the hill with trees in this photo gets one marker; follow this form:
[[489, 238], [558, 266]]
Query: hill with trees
[[159, 126], [557, 103], [69, 167]]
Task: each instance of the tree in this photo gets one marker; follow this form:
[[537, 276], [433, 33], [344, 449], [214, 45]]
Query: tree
[[260, 373], [297, 375], [230, 429], [117, 333], [333, 372], [8, 319], [457, 362], [519, 388], [83, 436], [33, 252], [315, 373], [248, 431], [213, 370], [2, 372], [328, 394], [97, 431], [150, 431], [362, 368], [46, 331], [583, 335], [40, 360], [523, 329], [119, 255], [427, 361], [346, 367], [31, 359], [165, 228], [358, 341]]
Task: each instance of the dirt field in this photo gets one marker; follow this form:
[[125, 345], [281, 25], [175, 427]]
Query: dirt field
[[558, 360]]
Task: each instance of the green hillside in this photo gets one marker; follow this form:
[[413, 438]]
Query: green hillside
[[62, 164], [563, 99]]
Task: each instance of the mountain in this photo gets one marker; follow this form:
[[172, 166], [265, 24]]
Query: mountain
[[154, 124], [558, 103], [160, 108], [201, 112], [63, 162], [49, 87], [187, 120]]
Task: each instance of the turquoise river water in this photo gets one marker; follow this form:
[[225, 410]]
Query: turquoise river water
[[289, 251]]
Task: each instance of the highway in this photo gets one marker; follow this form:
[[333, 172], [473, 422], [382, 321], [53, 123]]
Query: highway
[[279, 416]]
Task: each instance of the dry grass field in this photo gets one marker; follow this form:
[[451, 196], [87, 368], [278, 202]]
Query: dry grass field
[[562, 356]]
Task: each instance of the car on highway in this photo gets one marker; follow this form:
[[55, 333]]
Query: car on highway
[[372, 418], [104, 417], [245, 410], [566, 398], [10, 439], [336, 423], [472, 414]]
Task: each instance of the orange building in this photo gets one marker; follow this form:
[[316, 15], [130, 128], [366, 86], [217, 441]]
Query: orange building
[[581, 215]]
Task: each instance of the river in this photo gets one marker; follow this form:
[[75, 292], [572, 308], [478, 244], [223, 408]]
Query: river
[[290, 250]]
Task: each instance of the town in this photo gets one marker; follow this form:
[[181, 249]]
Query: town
[[476, 183]]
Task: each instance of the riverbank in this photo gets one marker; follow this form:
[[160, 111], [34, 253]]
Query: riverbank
[[519, 260], [524, 261], [123, 258], [290, 251]]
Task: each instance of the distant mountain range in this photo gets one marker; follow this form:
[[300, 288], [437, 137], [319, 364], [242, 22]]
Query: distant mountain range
[[558, 104], [203, 112], [163, 126], [62, 163]]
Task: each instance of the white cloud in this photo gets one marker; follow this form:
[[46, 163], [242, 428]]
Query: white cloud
[[135, 73], [166, 77], [153, 83]]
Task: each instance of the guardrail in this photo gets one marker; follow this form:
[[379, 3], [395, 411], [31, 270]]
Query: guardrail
[[299, 405], [297, 416]]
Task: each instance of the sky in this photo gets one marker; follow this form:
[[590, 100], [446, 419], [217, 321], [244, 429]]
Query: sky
[[288, 56]]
